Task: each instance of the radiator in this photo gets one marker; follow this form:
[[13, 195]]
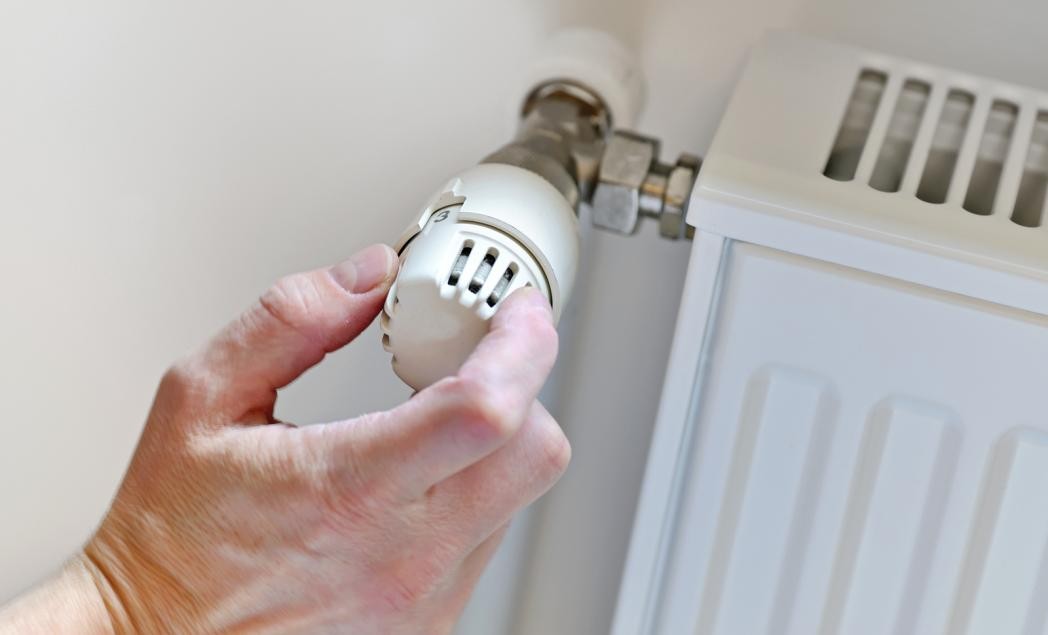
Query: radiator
[[853, 434]]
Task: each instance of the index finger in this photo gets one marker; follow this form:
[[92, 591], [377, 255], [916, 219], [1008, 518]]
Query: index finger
[[457, 421], [518, 352]]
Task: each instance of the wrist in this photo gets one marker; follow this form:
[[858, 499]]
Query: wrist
[[108, 602], [70, 602], [138, 593]]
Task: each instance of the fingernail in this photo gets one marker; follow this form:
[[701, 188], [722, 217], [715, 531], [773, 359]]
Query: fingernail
[[365, 270], [531, 295]]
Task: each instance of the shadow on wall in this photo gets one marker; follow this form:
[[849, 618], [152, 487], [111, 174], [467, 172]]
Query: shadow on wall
[[626, 305], [620, 18]]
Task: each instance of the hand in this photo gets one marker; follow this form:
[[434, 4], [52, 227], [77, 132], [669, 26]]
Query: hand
[[230, 521]]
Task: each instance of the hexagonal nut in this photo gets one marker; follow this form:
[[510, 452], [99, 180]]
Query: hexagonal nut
[[623, 168], [616, 207], [675, 204]]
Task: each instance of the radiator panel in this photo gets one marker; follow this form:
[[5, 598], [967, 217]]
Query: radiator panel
[[860, 445]]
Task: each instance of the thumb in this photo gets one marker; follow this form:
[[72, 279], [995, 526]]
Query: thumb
[[294, 324]]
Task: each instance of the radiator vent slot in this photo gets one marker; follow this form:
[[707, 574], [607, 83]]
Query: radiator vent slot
[[972, 152], [989, 162], [1029, 203], [855, 127], [946, 145], [902, 131]]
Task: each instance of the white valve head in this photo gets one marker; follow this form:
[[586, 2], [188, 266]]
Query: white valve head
[[490, 231]]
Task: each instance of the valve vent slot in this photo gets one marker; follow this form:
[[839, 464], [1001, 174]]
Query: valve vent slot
[[484, 270], [460, 263], [385, 323], [502, 276], [502, 284]]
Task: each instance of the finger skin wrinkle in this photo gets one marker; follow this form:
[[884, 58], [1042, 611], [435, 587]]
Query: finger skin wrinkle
[[282, 307]]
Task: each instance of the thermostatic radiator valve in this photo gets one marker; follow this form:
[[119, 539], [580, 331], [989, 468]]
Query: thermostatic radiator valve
[[511, 221]]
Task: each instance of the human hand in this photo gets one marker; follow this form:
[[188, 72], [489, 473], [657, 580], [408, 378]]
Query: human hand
[[230, 521]]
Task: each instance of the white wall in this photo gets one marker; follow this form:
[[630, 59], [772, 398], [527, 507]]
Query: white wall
[[161, 162]]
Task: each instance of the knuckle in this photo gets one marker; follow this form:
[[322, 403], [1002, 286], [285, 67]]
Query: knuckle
[[292, 299], [417, 566], [350, 495], [479, 408], [402, 594], [556, 450], [180, 383], [410, 582], [349, 509]]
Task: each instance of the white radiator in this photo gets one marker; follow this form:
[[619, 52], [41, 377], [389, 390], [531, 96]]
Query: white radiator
[[853, 436]]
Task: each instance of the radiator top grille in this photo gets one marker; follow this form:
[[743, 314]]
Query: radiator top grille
[[884, 164], [979, 153]]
